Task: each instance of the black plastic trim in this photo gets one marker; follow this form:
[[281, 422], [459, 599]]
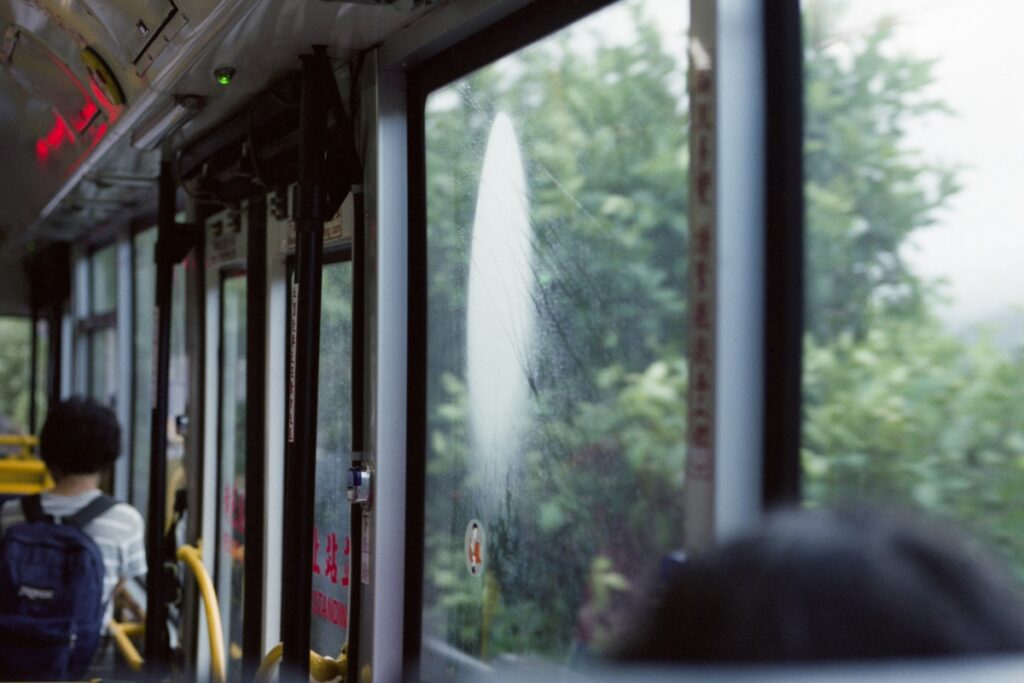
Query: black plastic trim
[[784, 251], [255, 438]]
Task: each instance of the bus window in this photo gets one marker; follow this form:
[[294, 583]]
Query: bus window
[[913, 386], [556, 380], [332, 545], [102, 333]]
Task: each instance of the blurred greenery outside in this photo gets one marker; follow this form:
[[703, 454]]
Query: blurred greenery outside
[[15, 368], [897, 409]]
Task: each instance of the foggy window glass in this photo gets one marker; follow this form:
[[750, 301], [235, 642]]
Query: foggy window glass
[[332, 544], [913, 381], [556, 196]]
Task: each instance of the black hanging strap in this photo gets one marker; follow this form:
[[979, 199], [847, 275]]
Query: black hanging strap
[[91, 511], [32, 509]]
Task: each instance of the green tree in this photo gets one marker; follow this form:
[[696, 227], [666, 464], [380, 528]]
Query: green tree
[[594, 493], [896, 409], [867, 190], [15, 342]]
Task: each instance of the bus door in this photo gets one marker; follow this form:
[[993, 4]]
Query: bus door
[[225, 434], [333, 551]]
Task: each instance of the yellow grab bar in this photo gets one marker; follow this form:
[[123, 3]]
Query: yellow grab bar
[[321, 668], [191, 557], [121, 633], [25, 442]]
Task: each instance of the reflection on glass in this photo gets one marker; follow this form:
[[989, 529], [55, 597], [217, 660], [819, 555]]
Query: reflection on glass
[[231, 518], [556, 372], [913, 381], [332, 546]]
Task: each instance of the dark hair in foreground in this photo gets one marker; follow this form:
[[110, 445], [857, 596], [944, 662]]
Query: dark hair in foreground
[[80, 436], [834, 585]]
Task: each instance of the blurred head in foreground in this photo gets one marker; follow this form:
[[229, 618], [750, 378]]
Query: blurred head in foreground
[[834, 585]]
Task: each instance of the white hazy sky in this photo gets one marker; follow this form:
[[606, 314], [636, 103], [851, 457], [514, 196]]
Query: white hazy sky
[[978, 243]]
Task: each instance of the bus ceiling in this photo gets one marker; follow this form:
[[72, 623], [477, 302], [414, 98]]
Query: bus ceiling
[[90, 90]]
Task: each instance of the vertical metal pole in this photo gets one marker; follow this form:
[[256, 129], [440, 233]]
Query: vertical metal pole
[[255, 442], [156, 585], [784, 251], [358, 413], [55, 324], [33, 375], [300, 465]]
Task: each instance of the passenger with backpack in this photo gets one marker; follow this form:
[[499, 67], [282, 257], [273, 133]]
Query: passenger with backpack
[[63, 553]]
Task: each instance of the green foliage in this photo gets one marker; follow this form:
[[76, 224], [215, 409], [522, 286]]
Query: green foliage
[[896, 408], [866, 190], [15, 356], [592, 495]]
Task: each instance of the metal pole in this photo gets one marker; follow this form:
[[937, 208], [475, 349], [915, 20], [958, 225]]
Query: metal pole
[[255, 446], [156, 584], [300, 465], [358, 412], [56, 336], [784, 251]]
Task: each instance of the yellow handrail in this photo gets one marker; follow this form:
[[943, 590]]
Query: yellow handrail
[[24, 441], [121, 633], [269, 662], [22, 476], [190, 556], [321, 668]]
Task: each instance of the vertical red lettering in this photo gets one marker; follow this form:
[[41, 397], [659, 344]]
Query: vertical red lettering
[[331, 569]]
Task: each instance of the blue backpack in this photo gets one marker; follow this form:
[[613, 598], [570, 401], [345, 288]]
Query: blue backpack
[[51, 594]]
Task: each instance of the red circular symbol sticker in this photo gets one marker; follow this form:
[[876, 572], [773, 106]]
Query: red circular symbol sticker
[[476, 548]]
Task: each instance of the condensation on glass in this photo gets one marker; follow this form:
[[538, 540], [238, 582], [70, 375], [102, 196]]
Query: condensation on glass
[[556, 194], [231, 506], [332, 542], [913, 383]]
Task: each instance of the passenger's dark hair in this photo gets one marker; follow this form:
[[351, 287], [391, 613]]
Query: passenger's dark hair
[[834, 585], [80, 436]]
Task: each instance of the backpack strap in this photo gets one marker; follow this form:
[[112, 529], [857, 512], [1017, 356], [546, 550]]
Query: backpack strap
[[32, 509], [91, 511]]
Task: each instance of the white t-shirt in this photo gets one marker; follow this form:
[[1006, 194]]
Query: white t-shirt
[[119, 533]]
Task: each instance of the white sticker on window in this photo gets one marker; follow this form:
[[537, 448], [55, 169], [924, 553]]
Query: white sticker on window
[[476, 548]]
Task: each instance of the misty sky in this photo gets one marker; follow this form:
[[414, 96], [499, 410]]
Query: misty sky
[[978, 243]]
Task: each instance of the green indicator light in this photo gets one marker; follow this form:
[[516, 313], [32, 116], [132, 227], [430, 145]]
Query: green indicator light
[[224, 74]]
